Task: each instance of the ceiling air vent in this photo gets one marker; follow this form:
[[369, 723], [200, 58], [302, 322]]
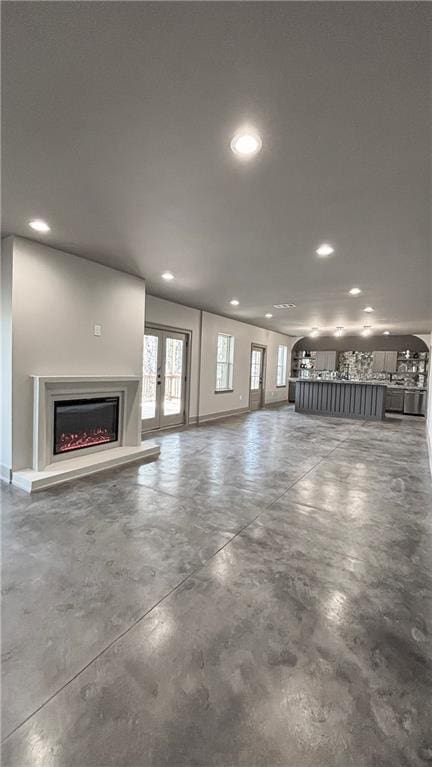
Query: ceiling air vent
[[284, 306]]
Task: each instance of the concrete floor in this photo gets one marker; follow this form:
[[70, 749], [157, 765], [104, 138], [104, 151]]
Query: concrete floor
[[259, 597]]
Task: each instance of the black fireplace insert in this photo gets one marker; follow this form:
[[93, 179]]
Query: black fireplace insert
[[83, 423]]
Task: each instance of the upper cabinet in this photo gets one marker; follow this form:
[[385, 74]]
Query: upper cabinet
[[325, 361], [384, 362], [378, 361], [391, 362], [332, 360]]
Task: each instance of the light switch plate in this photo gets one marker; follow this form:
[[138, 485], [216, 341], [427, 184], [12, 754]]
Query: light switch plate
[[98, 330]]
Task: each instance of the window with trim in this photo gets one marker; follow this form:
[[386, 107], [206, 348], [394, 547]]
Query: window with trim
[[224, 362], [281, 375]]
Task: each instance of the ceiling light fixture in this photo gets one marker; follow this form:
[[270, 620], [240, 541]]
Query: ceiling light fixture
[[314, 333], [386, 333], [368, 309], [39, 226], [246, 143], [355, 292], [324, 250], [167, 276], [367, 330], [234, 302], [339, 331], [268, 316], [284, 306]]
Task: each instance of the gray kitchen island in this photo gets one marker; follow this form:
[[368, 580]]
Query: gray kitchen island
[[347, 399]]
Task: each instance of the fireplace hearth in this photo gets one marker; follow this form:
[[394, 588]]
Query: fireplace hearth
[[85, 423]]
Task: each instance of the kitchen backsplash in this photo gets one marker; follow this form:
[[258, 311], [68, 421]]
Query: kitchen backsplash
[[356, 365]]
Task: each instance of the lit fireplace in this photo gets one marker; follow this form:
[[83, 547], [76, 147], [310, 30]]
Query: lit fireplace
[[83, 423]]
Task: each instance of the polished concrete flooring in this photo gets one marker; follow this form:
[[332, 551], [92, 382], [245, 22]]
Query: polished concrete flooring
[[259, 597]]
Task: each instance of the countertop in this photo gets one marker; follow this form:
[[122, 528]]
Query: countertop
[[339, 382], [387, 384]]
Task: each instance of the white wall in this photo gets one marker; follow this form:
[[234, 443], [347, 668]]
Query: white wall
[[205, 327], [6, 359], [244, 335], [57, 299]]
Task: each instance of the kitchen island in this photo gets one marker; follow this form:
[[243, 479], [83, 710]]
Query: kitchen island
[[347, 399]]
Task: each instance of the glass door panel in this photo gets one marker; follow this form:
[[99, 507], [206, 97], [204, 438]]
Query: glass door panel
[[173, 379], [150, 366], [173, 374], [255, 369], [164, 379], [151, 379]]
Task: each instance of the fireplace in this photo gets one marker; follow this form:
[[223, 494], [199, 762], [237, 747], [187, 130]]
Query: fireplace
[[82, 425], [85, 423]]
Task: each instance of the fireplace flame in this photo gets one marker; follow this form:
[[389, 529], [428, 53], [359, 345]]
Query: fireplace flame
[[84, 439]]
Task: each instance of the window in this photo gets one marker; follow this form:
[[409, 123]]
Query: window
[[224, 362], [281, 366]]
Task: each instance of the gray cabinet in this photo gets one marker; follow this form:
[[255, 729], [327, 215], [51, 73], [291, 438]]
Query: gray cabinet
[[390, 362], [331, 361], [395, 400], [291, 391], [325, 361], [384, 362], [378, 361]]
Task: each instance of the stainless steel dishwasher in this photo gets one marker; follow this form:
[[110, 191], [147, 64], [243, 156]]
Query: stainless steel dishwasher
[[415, 402]]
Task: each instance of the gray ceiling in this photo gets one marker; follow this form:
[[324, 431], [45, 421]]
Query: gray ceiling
[[117, 119]]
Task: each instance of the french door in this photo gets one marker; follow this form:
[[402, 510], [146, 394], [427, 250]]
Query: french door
[[164, 378], [256, 385]]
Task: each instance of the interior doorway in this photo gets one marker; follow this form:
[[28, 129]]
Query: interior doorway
[[164, 378], [256, 379]]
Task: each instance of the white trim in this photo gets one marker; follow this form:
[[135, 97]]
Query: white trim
[[223, 414]]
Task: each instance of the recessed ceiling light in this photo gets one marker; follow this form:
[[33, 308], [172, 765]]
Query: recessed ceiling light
[[314, 333], [355, 292], [324, 250], [246, 143], [339, 331], [367, 330], [268, 316], [167, 276], [368, 309], [386, 333], [39, 226], [284, 306], [234, 302]]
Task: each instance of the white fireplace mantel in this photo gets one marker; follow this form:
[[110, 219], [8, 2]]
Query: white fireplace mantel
[[45, 470]]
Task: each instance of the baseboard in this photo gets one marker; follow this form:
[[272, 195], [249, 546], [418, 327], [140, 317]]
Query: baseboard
[[276, 403], [223, 414], [5, 473]]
